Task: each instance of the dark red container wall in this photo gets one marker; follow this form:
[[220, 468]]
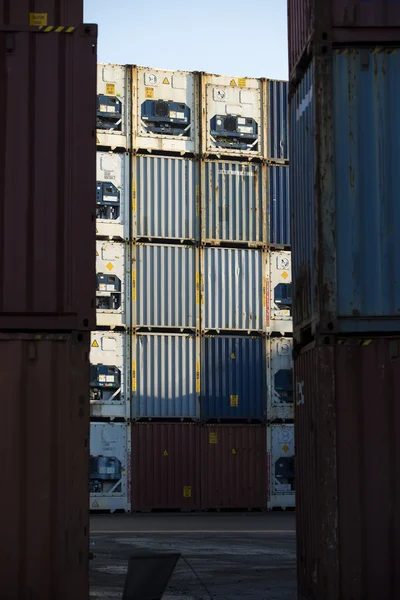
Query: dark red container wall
[[233, 466], [59, 12], [165, 466], [47, 180], [348, 470], [44, 460]]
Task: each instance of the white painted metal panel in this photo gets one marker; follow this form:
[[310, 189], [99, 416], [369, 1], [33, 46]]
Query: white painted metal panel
[[280, 292], [113, 195], [280, 378], [281, 466], [112, 291], [113, 106]]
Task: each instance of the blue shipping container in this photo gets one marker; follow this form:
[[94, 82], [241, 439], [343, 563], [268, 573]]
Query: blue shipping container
[[233, 378], [279, 206], [278, 121]]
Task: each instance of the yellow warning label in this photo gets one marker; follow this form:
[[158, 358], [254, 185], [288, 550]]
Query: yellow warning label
[[134, 285], [134, 195], [95, 504], [187, 491], [133, 375], [149, 93], [285, 274], [109, 266], [97, 140], [165, 453], [242, 82], [232, 83], [197, 288], [95, 344], [165, 81], [285, 448], [97, 254], [233, 451], [110, 89], [213, 437], [197, 377], [233, 356], [37, 19], [234, 400]]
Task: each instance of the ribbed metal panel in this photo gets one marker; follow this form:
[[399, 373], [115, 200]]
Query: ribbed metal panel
[[166, 376], [279, 206], [165, 198], [233, 378], [164, 286], [278, 120], [234, 295], [234, 202]]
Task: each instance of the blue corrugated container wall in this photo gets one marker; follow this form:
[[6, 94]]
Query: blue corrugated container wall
[[278, 121], [233, 378], [279, 206]]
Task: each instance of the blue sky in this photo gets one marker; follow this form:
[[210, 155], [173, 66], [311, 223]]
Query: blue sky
[[230, 38]]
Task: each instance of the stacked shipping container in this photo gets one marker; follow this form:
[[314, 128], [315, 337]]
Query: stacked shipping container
[[344, 137]]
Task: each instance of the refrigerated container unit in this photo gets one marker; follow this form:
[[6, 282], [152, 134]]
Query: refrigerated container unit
[[165, 199], [165, 287], [280, 379], [233, 203], [281, 466], [233, 116], [233, 289], [278, 122], [113, 195], [233, 378], [112, 284], [110, 374], [165, 376], [279, 292], [279, 207], [113, 120], [165, 111], [165, 466], [110, 466]]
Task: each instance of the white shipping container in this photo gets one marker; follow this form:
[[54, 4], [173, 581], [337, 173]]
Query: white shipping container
[[110, 374], [233, 111], [280, 378], [112, 195], [281, 466], [280, 292], [113, 106], [110, 466], [112, 291], [164, 110]]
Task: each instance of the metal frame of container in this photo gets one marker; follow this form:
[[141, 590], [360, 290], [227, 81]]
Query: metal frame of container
[[280, 446], [226, 303], [113, 258], [47, 175], [114, 81], [279, 358], [114, 443], [243, 97], [111, 349], [160, 273], [233, 203], [278, 122], [347, 463], [114, 168], [26, 13], [279, 208], [165, 199], [165, 376], [280, 273], [179, 88]]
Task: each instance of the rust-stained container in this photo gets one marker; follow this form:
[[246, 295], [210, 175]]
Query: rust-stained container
[[47, 179], [233, 466], [312, 24], [347, 469], [45, 466], [165, 466], [41, 12]]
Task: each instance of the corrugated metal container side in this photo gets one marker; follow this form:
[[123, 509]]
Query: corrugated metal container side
[[233, 381], [44, 449], [233, 466], [110, 466], [233, 203], [280, 378], [41, 12], [113, 106], [112, 284], [347, 461], [47, 180], [300, 22], [113, 200], [165, 376], [278, 121], [279, 206], [233, 289], [165, 286], [165, 466], [281, 466], [166, 201]]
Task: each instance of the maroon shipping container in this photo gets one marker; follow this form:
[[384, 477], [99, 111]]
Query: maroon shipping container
[[41, 12], [45, 467], [313, 23], [348, 469], [47, 179], [165, 466], [233, 466]]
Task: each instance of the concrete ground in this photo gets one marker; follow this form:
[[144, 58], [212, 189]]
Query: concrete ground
[[224, 555]]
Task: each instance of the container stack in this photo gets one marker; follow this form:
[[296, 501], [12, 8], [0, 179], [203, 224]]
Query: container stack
[[344, 181]]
